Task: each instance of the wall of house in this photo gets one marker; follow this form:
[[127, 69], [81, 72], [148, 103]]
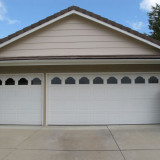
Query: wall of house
[[79, 68], [76, 36]]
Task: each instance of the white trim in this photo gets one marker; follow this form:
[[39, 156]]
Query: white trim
[[42, 100], [46, 99], [82, 15], [78, 62]]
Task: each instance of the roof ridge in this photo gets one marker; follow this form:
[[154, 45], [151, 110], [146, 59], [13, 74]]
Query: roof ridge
[[91, 14]]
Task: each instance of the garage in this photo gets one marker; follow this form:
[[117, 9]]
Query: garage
[[78, 68], [21, 99], [106, 98]]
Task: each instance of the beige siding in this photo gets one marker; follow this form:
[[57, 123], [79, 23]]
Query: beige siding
[[74, 45], [76, 36], [71, 39]]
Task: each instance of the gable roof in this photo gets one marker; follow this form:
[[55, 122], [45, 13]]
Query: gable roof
[[84, 13]]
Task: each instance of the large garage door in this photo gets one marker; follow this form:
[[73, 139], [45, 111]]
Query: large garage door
[[21, 99], [84, 99]]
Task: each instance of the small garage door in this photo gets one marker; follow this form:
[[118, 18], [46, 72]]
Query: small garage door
[[84, 99], [21, 99]]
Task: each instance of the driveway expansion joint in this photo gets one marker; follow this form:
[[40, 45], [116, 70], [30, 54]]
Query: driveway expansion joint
[[27, 138], [116, 142], [15, 148]]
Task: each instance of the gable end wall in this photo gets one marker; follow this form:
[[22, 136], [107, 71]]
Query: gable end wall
[[75, 35]]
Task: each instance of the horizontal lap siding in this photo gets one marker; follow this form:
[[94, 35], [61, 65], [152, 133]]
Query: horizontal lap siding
[[73, 39], [76, 36], [62, 52], [74, 45]]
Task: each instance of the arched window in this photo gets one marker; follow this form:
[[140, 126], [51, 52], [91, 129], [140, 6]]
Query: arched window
[[126, 80], [36, 81], [0, 82], [56, 80], [98, 80], [23, 81], [139, 80], [111, 80], [84, 80], [70, 80], [153, 79], [9, 81]]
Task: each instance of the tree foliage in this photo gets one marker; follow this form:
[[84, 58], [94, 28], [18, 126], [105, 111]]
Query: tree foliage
[[154, 22]]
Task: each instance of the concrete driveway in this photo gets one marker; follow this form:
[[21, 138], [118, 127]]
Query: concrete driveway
[[117, 142]]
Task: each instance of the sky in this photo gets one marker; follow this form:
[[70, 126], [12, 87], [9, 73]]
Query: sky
[[17, 14]]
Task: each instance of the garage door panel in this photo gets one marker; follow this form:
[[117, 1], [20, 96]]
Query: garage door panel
[[58, 93], [104, 103], [22, 118], [21, 104], [139, 119], [98, 93], [84, 93], [69, 118]]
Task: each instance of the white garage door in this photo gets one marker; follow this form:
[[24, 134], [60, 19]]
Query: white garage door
[[21, 99], [88, 99]]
